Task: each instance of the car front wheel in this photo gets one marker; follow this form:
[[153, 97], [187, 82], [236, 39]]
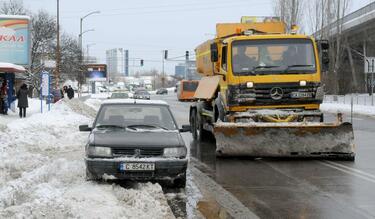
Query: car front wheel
[[90, 176], [180, 182]]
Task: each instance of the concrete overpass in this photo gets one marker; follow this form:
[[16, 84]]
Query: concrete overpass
[[358, 38]]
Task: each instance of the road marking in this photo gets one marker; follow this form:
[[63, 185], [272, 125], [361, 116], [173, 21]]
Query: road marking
[[352, 169], [349, 170], [357, 119]]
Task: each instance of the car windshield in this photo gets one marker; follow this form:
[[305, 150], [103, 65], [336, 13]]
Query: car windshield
[[119, 95], [135, 117], [281, 56]]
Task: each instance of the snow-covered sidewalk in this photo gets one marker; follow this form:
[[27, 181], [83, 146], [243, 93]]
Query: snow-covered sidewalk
[[42, 171], [345, 108]]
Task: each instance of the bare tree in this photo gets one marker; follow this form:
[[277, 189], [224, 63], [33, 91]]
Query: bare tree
[[340, 8], [70, 58], [290, 11], [13, 7]]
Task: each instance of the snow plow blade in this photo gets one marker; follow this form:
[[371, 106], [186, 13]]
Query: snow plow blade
[[320, 140]]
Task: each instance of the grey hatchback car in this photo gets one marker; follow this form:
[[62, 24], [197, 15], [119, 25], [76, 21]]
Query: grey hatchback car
[[136, 140]]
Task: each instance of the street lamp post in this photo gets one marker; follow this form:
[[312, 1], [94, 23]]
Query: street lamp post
[[80, 26], [80, 42]]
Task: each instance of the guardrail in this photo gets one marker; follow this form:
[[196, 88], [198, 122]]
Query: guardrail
[[356, 99]]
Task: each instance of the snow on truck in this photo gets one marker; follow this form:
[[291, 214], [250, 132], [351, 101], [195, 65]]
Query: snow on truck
[[261, 91]]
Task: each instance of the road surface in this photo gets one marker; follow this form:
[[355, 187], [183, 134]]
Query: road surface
[[279, 188]]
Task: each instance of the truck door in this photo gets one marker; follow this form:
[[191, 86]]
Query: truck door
[[223, 72]]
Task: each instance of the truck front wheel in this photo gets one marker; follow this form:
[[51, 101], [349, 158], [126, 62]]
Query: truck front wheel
[[193, 124], [197, 127]]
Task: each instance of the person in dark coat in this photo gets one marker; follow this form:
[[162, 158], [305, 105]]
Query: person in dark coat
[[70, 92], [23, 102], [3, 98]]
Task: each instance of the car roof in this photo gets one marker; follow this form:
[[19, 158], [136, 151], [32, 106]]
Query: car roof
[[134, 101]]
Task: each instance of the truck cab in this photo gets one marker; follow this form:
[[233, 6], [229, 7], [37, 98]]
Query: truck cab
[[270, 71]]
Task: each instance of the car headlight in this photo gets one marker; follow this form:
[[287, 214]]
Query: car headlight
[[175, 152], [94, 151]]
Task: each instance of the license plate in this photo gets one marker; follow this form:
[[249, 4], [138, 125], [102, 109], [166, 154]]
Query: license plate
[[137, 167], [300, 95]]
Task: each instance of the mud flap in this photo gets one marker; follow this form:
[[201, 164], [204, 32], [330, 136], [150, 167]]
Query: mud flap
[[285, 140]]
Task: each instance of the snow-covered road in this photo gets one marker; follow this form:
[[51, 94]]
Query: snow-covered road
[[42, 171]]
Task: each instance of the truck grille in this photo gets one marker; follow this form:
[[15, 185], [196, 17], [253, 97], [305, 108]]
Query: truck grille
[[262, 94], [144, 152]]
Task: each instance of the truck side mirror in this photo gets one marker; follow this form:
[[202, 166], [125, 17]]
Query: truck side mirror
[[214, 52], [324, 53]]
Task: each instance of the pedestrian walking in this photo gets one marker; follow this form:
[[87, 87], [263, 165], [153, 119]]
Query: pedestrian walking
[[4, 98], [23, 102], [70, 92]]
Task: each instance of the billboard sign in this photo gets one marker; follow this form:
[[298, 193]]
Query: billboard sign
[[15, 39], [96, 72]]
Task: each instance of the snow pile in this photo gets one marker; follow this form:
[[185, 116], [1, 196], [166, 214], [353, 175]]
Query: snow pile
[[345, 108], [94, 103], [42, 172]]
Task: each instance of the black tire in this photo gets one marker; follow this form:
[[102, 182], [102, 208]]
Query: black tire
[[219, 111], [90, 176], [197, 127], [180, 182], [193, 124]]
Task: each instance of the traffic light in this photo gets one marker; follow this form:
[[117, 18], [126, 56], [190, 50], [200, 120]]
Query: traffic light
[[187, 55], [165, 54], [141, 62]]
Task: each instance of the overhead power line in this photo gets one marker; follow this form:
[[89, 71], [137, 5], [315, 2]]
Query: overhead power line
[[161, 6], [194, 9]]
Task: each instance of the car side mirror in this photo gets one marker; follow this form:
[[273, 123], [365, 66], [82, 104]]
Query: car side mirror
[[185, 128], [85, 128]]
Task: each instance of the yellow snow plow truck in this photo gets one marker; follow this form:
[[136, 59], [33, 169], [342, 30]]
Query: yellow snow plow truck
[[260, 93]]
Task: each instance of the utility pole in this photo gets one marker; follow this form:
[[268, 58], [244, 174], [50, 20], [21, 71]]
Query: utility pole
[[186, 64], [57, 71], [294, 14]]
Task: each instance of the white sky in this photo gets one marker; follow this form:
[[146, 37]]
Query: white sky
[[146, 27]]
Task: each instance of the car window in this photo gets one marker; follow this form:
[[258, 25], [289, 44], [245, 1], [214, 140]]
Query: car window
[[119, 95], [130, 115]]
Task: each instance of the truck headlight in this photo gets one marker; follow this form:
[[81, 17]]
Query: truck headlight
[[250, 84], [94, 151], [175, 152]]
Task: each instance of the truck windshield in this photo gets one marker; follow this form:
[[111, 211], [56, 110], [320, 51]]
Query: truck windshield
[[276, 56]]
